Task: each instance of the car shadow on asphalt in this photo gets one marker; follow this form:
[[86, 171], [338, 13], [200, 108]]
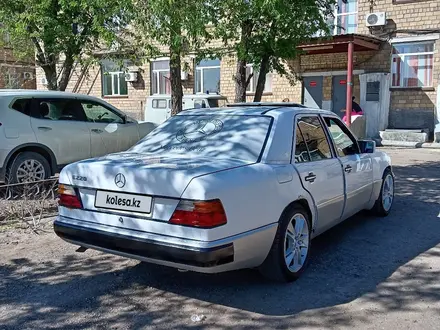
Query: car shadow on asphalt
[[355, 260]]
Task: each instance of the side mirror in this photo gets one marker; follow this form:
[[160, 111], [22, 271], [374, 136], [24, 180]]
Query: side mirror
[[367, 146]]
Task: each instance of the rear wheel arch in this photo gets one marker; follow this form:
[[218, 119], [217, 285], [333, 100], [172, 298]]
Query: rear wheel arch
[[299, 202], [33, 147]]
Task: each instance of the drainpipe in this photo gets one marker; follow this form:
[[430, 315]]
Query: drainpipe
[[348, 107]]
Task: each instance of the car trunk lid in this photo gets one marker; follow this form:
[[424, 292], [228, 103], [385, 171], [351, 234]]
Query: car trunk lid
[[141, 174]]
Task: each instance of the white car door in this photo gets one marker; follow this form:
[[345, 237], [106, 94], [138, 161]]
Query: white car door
[[320, 171], [59, 126], [109, 131], [358, 168]]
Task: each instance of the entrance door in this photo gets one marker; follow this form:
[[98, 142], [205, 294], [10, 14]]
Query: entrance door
[[339, 97], [313, 92]]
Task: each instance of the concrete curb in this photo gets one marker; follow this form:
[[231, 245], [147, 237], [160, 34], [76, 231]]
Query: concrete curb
[[407, 144]]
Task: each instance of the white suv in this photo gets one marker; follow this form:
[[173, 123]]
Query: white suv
[[41, 131]]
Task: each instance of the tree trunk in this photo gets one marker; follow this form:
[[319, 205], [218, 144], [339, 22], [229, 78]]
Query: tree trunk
[[50, 71], [67, 70], [240, 81], [176, 81], [264, 68]]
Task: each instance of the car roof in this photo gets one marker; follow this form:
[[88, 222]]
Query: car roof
[[271, 109], [43, 93], [193, 96]]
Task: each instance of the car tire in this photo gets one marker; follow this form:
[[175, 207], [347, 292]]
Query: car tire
[[275, 266], [384, 202], [40, 171]]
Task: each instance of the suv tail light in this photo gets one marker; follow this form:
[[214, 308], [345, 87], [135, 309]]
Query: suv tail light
[[69, 197], [202, 214]]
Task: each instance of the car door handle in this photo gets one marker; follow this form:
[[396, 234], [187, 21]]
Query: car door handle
[[348, 169], [311, 177], [44, 128], [97, 130]]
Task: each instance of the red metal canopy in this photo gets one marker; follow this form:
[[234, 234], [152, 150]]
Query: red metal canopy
[[339, 44]]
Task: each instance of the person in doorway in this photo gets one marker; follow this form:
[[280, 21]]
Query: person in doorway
[[356, 109]]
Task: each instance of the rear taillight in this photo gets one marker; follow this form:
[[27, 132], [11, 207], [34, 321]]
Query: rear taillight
[[201, 214], [68, 197]]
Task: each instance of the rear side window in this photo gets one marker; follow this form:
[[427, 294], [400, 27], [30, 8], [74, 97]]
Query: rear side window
[[160, 104], [315, 138], [301, 151], [58, 109], [23, 106]]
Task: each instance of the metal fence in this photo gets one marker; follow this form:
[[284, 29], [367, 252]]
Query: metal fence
[[28, 202]]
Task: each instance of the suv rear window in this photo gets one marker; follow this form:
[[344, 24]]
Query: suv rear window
[[23, 106]]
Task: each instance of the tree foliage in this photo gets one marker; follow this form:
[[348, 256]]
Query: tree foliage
[[270, 31], [63, 30]]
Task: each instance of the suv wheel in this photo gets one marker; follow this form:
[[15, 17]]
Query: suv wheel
[[28, 167]]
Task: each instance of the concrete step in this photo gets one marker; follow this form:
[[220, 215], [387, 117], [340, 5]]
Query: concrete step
[[406, 144], [404, 136], [405, 130]]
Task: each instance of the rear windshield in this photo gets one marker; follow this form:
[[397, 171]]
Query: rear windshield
[[208, 136]]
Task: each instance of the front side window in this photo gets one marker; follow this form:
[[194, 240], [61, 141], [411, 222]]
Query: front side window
[[97, 113], [412, 64], [253, 83], [346, 15], [208, 76], [345, 144], [315, 138], [113, 79], [160, 77]]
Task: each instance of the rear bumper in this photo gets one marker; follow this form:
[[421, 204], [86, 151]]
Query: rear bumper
[[144, 249]]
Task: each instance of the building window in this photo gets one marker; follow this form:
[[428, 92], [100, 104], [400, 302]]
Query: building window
[[253, 83], [208, 76], [346, 15], [412, 64], [160, 78], [12, 81], [113, 78]]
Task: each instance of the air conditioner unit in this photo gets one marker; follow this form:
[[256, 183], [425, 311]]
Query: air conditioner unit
[[184, 75], [28, 75], [376, 19], [43, 81], [131, 76]]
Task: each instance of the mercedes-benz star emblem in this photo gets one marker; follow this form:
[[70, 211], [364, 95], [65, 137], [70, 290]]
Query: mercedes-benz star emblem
[[120, 180]]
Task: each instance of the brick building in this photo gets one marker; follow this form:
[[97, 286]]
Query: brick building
[[15, 73], [395, 60]]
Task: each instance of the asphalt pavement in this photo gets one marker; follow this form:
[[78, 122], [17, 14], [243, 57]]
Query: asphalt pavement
[[367, 273]]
